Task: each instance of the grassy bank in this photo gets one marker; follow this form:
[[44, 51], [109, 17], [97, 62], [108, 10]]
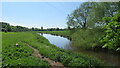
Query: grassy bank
[[62, 33], [23, 55], [87, 39], [81, 38]]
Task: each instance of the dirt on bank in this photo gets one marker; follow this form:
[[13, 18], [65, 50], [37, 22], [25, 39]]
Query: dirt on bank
[[51, 62]]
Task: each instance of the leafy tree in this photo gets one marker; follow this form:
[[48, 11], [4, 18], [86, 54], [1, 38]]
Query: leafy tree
[[5, 26], [71, 23], [111, 39], [41, 28], [90, 14], [68, 28], [100, 10], [33, 28], [8, 28], [57, 28], [79, 17]]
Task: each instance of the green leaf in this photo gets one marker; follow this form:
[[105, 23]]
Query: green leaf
[[104, 46], [118, 49]]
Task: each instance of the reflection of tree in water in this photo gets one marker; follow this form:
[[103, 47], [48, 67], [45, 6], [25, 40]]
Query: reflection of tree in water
[[41, 34], [69, 46]]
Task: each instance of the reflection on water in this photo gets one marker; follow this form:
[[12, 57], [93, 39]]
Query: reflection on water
[[111, 59], [61, 42]]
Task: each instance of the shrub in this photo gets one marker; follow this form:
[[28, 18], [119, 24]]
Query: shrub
[[111, 38]]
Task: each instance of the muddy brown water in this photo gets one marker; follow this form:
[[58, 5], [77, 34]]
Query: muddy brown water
[[62, 42]]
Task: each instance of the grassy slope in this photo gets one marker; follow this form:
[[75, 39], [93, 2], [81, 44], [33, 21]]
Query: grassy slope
[[45, 48], [86, 39], [64, 33], [21, 55]]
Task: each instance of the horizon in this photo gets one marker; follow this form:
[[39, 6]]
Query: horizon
[[37, 14]]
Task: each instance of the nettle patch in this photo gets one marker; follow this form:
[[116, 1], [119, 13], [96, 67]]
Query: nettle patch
[[111, 39]]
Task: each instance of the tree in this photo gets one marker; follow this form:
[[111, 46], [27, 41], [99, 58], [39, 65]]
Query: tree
[[111, 39], [100, 10], [5, 26], [90, 14], [42, 28], [57, 29], [33, 28], [68, 28], [8, 28], [71, 23], [79, 16]]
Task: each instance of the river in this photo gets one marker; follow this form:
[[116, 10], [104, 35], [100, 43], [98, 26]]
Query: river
[[62, 42]]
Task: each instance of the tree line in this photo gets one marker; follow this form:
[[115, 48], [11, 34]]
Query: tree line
[[6, 27]]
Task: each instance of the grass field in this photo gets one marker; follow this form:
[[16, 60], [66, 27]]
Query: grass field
[[23, 55]]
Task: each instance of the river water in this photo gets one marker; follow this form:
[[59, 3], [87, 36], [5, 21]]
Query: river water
[[62, 42]]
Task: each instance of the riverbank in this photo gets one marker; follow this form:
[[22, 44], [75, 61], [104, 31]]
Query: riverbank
[[87, 39], [67, 58], [96, 52], [81, 38]]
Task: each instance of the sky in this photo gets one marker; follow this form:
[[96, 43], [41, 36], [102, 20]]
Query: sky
[[37, 14]]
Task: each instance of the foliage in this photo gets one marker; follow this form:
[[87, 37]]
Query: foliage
[[79, 17], [86, 38], [90, 14], [111, 39], [6, 27]]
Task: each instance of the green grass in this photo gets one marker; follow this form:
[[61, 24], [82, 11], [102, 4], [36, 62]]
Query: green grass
[[86, 39], [68, 58], [21, 55], [12, 54]]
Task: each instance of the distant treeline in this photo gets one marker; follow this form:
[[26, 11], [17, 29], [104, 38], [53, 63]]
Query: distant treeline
[[6, 27]]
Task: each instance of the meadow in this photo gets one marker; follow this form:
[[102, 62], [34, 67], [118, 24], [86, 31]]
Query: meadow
[[23, 55], [20, 55]]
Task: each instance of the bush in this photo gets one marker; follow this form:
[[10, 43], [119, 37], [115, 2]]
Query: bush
[[111, 39]]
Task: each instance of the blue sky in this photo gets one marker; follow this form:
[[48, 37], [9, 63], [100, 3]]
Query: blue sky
[[37, 14]]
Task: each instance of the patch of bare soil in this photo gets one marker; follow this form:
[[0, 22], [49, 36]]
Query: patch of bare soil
[[51, 62]]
